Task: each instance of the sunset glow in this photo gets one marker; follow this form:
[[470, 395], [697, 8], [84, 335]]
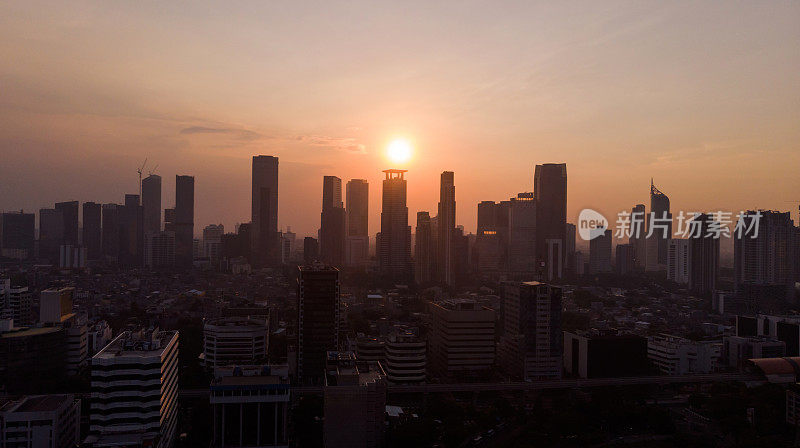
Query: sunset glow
[[399, 151]]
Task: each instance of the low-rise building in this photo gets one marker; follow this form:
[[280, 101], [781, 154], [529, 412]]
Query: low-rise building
[[674, 355], [40, 421]]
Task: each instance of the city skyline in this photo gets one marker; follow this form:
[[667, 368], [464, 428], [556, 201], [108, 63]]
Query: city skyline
[[619, 94]]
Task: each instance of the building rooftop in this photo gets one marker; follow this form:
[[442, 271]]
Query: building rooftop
[[41, 403], [150, 343], [28, 332]]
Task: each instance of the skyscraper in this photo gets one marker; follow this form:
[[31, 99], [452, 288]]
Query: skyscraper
[[704, 253], [447, 224], [184, 220], [151, 203], [638, 234], [332, 222], [489, 249], [51, 233], [462, 338], [265, 211], [550, 191], [660, 219], [394, 240], [317, 320], [310, 249], [768, 258], [522, 235], [131, 237], [600, 253], [357, 250], [92, 230], [111, 231], [423, 249], [17, 235], [69, 213], [679, 261]]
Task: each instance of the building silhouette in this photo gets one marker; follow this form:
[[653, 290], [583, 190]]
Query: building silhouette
[[445, 253], [317, 320], [51, 233], [423, 249], [17, 235], [333, 222], [265, 211], [658, 243], [69, 213], [151, 203], [184, 220], [522, 235], [638, 236], [704, 253], [110, 232], [394, 239], [357, 245], [600, 253], [92, 230], [550, 191]]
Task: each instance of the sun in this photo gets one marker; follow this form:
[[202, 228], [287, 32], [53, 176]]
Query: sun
[[399, 151]]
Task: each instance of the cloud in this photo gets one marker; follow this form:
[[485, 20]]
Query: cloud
[[347, 144], [240, 134]]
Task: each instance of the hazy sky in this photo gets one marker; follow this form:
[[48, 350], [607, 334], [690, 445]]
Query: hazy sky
[[703, 96]]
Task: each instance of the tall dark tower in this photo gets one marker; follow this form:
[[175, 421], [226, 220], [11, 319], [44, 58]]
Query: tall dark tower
[[184, 220], [658, 243], [69, 213], [704, 254], [447, 224], [266, 250], [317, 320], [332, 225], [394, 240], [92, 233], [423, 249], [151, 203], [357, 240], [550, 193]]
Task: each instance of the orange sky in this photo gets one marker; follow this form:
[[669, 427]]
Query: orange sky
[[703, 96]]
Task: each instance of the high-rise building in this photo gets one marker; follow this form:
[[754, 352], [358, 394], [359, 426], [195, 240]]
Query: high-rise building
[[184, 220], [531, 342], [69, 213], [767, 258], [134, 399], [423, 249], [550, 191], [92, 230], [310, 250], [212, 241], [625, 259], [265, 210], [159, 250], [445, 256], [16, 303], [638, 236], [405, 358], [317, 320], [333, 222], [600, 253], [489, 253], [55, 305], [569, 248], [151, 203], [32, 359], [17, 235], [235, 341], [357, 250], [250, 406], [679, 261], [704, 253], [51, 233], [41, 421], [131, 237], [462, 339], [660, 220], [394, 239], [111, 229], [522, 235]]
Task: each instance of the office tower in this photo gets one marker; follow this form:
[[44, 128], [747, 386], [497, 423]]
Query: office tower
[[41, 421], [550, 191], [111, 230], [69, 213], [212, 241], [131, 238], [768, 258], [355, 402], [405, 358], [625, 259], [638, 236], [394, 239], [598, 354], [357, 250], [16, 303], [333, 221], [32, 359], [660, 219], [488, 252], [522, 235], [531, 342], [250, 406], [151, 203], [310, 250], [462, 338], [679, 261], [134, 399], [265, 210], [423, 249], [17, 235], [461, 255], [159, 250], [184, 220], [317, 320], [92, 230], [51, 233], [600, 253], [235, 341], [447, 223], [704, 253]]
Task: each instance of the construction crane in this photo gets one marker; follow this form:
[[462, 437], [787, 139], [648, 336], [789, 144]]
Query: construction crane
[[151, 172], [141, 168]]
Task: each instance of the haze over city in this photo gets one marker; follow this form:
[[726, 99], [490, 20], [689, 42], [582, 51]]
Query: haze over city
[[702, 96]]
